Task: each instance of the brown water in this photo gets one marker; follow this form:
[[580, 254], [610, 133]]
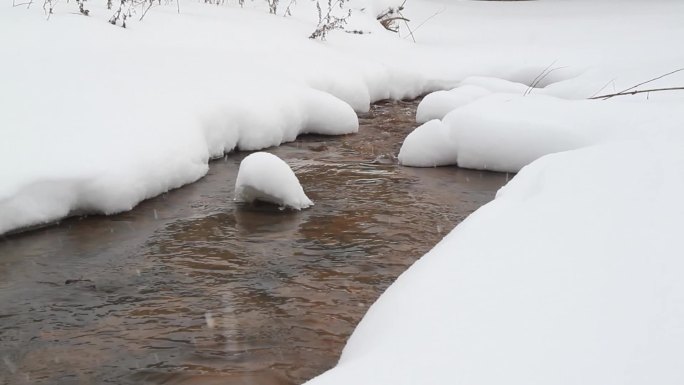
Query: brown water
[[190, 288]]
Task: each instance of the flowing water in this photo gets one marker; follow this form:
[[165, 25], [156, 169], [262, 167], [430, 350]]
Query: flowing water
[[191, 288]]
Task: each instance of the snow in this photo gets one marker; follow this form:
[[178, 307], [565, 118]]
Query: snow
[[570, 276], [96, 118], [265, 177], [437, 104], [504, 132], [429, 145]]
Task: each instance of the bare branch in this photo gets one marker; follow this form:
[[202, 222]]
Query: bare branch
[[149, 5], [409, 29], [648, 81], [426, 20], [536, 79], [604, 86], [608, 96]]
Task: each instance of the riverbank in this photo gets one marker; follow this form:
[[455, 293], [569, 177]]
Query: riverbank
[[98, 118]]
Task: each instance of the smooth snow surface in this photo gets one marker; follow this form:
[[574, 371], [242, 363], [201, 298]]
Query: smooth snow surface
[[437, 104], [265, 177]]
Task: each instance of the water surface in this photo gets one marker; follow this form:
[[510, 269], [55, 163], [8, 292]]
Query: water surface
[[191, 288]]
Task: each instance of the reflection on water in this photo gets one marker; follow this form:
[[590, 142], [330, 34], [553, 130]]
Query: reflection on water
[[190, 288]]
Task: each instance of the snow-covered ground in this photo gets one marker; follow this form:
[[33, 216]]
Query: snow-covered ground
[[96, 118], [571, 276]]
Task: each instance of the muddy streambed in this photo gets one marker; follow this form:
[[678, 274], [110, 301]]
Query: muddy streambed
[[190, 288]]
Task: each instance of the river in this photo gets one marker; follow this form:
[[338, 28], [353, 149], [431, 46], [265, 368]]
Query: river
[[192, 288]]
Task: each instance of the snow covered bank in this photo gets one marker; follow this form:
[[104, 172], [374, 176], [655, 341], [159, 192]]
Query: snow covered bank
[[571, 276], [96, 118], [504, 132]]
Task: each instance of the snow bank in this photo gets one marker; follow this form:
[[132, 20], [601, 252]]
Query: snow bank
[[504, 132], [437, 104], [265, 177], [571, 276], [96, 118], [429, 145]]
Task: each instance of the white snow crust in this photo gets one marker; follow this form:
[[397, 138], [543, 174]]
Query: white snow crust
[[265, 177]]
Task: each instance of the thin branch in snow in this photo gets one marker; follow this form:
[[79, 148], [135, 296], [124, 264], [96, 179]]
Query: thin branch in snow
[[535, 84], [48, 7], [604, 86], [14, 4], [149, 5], [410, 32], [608, 96], [536, 80], [288, 9], [624, 92], [426, 20]]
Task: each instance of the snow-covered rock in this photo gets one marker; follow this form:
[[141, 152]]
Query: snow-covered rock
[[265, 177]]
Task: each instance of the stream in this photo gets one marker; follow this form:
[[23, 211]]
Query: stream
[[192, 288]]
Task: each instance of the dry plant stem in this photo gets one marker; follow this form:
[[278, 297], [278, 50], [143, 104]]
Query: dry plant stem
[[536, 80], [608, 96], [604, 86], [288, 9], [648, 81], [396, 18], [534, 85], [406, 21], [47, 8], [149, 5], [410, 32], [329, 22], [426, 20], [14, 4]]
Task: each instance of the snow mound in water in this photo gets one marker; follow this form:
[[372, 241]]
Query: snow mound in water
[[265, 177], [428, 146]]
